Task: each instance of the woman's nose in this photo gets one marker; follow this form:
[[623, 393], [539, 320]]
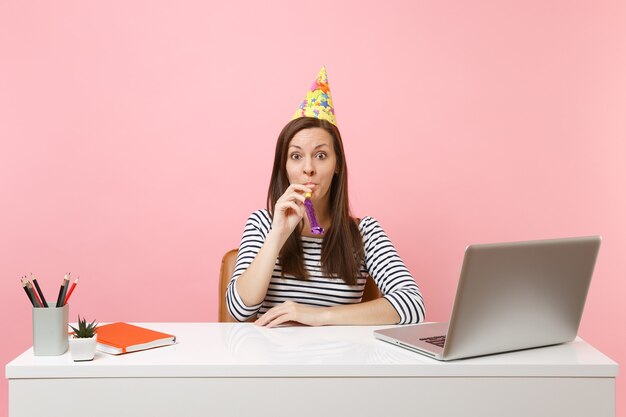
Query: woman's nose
[[308, 167]]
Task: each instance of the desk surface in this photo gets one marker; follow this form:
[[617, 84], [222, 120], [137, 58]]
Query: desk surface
[[234, 349]]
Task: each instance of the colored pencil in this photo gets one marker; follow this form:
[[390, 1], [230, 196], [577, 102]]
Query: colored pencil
[[67, 297], [62, 290], [26, 291], [43, 299], [66, 285], [32, 290]]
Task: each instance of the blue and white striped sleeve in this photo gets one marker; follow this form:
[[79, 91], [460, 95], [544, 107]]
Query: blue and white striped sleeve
[[390, 274], [254, 235]]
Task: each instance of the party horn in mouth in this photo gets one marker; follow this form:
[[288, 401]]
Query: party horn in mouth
[[316, 229]]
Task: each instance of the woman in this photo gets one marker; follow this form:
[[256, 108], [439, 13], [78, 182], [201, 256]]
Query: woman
[[284, 272]]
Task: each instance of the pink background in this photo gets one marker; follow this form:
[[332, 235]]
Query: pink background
[[136, 137]]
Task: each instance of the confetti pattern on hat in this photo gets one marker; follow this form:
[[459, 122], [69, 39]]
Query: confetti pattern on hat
[[318, 103]]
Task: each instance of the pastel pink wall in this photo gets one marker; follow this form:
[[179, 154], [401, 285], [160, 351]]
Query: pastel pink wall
[[136, 137]]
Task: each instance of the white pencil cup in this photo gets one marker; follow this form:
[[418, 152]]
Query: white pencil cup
[[50, 330]]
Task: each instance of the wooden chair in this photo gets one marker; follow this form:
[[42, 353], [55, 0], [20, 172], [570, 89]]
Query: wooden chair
[[371, 291]]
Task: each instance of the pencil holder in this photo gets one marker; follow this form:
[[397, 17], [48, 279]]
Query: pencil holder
[[50, 331]]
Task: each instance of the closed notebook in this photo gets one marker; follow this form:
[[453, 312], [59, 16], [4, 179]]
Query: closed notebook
[[117, 338]]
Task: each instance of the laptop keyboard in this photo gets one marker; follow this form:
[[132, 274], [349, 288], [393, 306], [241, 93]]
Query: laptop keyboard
[[435, 340]]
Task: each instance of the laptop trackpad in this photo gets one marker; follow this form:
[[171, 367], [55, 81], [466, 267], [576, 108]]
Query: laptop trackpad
[[413, 334]]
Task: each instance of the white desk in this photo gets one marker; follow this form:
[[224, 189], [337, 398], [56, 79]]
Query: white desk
[[241, 370]]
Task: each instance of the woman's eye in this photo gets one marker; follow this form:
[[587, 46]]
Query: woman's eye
[[321, 155], [295, 156]]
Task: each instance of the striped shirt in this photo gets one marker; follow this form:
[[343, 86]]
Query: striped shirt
[[381, 262]]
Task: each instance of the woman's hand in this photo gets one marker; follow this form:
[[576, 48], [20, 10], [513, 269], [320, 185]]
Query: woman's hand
[[291, 311], [289, 210]]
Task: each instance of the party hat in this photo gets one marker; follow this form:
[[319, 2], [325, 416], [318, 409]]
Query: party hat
[[318, 103]]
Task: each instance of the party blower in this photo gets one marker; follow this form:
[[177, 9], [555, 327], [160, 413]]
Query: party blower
[[316, 229]]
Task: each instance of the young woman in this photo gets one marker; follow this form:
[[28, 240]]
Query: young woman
[[284, 272]]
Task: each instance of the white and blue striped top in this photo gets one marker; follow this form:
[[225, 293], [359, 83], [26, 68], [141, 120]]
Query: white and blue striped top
[[381, 262]]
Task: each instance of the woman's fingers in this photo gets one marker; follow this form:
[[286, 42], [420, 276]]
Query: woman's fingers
[[299, 187], [289, 209], [292, 196], [279, 314], [295, 191], [299, 210], [279, 320], [270, 315], [290, 311]]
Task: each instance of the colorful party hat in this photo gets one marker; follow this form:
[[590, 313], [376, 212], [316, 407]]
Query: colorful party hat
[[318, 103]]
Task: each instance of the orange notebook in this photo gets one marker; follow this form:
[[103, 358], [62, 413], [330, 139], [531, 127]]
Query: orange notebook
[[117, 338]]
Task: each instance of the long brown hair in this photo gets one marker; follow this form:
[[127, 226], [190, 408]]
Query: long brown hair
[[342, 247]]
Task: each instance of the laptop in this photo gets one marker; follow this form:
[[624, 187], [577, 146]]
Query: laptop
[[510, 296]]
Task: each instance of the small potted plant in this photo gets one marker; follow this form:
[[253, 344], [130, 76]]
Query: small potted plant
[[84, 340]]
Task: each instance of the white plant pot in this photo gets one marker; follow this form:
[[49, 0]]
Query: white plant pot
[[83, 349]]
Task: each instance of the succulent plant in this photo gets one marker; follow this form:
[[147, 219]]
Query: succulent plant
[[84, 330]]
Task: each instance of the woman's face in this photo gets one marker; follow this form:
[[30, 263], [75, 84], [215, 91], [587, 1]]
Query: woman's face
[[311, 161]]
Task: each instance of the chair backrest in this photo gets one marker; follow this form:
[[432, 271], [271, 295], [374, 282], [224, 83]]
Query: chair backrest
[[226, 272], [370, 292]]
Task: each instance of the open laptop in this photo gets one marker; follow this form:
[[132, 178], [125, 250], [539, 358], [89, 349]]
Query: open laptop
[[510, 296]]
